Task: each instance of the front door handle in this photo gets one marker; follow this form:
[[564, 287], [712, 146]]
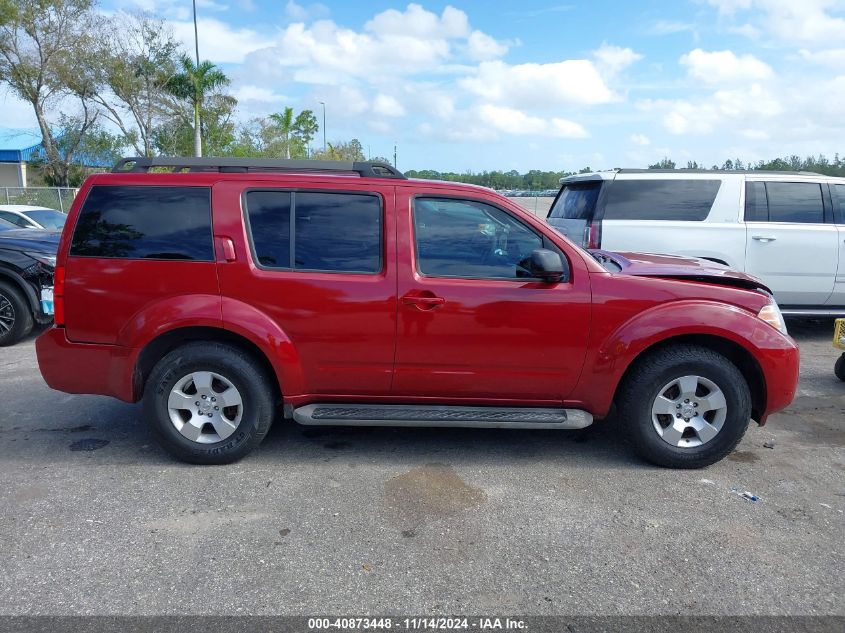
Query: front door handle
[[425, 300], [763, 238]]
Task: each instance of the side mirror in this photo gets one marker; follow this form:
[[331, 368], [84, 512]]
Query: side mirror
[[548, 266]]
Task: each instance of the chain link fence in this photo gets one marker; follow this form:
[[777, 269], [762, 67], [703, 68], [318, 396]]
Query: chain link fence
[[58, 198]]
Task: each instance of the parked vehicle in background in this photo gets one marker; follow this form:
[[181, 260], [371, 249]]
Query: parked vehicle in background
[[788, 229], [350, 295], [27, 261], [27, 217]]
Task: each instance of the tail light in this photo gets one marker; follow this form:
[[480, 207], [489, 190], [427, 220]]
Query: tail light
[[59, 296], [594, 234]]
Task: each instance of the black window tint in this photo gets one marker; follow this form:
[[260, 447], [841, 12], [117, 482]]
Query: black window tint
[[839, 192], [145, 223], [15, 219], [333, 232], [688, 200], [337, 232], [462, 238], [269, 222], [577, 201], [795, 202], [756, 207]]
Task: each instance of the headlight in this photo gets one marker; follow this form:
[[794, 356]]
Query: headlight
[[771, 315], [44, 258]]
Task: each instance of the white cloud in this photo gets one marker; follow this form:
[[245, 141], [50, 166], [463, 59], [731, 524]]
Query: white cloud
[[512, 121], [833, 58], [569, 82], [219, 42], [303, 13], [392, 44], [724, 111], [729, 7], [386, 105], [482, 47], [724, 67], [640, 139], [250, 92], [670, 27], [419, 23], [611, 60]]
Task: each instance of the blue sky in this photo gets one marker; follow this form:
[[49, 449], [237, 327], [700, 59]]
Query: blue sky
[[505, 84]]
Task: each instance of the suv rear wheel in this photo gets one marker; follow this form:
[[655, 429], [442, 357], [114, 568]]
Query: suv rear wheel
[[208, 403], [685, 407], [15, 316]]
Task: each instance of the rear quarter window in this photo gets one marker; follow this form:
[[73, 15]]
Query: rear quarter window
[[684, 200], [138, 222]]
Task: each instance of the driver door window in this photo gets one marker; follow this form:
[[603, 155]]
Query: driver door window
[[470, 240]]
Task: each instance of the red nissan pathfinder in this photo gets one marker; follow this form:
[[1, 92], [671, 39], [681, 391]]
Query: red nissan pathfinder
[[222, 291]]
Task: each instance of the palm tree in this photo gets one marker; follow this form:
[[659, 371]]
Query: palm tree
[[284, 121], [193, 83]]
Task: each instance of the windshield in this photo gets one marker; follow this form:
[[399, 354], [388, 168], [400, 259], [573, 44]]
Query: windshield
[[577, 201], [48, 218], [7, 226]]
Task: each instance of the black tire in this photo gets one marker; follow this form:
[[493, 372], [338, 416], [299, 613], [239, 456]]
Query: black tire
[[839, 368], [241, 370], [14, 306], [642, 386]]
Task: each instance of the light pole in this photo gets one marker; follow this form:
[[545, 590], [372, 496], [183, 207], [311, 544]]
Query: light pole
[[197, 123], [325, 146]]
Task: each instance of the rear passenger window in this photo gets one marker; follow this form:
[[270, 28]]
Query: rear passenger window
[[839, 190], [689, 200], [145, 223], [756, 207], [795, 202], [330, 232]]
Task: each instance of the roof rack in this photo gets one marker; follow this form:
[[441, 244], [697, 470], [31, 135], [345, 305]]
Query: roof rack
[[142, 164]]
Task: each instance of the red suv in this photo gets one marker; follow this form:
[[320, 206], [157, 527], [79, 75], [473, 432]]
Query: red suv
[[220, 291]]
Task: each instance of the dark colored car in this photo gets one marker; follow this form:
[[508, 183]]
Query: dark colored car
[[27, 260], [221, 290]]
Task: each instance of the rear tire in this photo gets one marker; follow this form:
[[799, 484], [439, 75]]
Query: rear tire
[[15, 316], [208, 403], [684, 406]]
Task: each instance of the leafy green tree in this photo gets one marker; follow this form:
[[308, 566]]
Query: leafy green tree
[[139, 57], [353, 150], [193, 85], [46, 59], [664, 163], [177, 135]]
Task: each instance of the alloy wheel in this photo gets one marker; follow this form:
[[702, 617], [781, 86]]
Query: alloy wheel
[[689, 411], [205, 407]]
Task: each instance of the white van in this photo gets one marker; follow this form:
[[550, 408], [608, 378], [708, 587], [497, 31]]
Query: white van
[[786, 228]]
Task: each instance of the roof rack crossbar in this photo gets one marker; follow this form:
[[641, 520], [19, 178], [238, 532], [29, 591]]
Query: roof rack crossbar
[[365, 169]]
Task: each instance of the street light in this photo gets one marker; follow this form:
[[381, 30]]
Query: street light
[[325, 146]]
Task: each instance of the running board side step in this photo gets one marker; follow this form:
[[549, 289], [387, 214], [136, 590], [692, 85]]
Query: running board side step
[[440, 416]]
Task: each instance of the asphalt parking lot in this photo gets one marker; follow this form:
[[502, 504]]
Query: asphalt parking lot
[[95, 519]]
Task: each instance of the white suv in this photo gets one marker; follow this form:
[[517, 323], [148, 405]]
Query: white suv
[[786, 228]]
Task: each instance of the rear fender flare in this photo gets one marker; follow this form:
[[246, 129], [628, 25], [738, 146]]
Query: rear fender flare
[[256, 326]]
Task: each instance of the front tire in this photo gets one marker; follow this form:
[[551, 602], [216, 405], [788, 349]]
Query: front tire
[[208, 403], [684, 407], [839, 368], [15, 316]]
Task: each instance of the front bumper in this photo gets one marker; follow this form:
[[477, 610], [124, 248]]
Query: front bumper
[[85, 368], [780, 364]]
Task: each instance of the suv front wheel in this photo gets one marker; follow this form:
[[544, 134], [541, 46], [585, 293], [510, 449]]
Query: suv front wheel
[[208, 403], [684, 407]]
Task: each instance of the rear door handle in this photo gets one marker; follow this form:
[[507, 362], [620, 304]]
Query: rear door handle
[[426, 301], [763, 238]]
